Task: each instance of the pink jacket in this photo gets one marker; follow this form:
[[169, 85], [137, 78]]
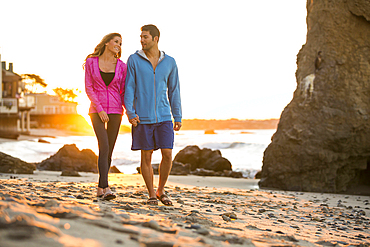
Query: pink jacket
[[108, 98]]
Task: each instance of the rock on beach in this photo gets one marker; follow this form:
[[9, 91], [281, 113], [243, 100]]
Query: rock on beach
[[9, 164], [70, 158]]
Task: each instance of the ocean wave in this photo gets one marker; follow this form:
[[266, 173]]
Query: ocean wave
[[124, 162], [247, 173], [225, 145]]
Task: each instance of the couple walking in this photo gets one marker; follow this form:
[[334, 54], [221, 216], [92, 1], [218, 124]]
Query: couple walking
[[148, 87]]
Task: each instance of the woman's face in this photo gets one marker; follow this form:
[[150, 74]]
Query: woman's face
[[114, 45]]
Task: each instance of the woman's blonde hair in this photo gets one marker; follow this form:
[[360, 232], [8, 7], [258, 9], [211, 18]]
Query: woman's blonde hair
[[100, 48]]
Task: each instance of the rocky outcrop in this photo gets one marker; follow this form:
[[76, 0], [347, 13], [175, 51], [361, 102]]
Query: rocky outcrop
[[202, 162], [203, 158], [322, 142], [9, 164], [70, 158], [114, 169]]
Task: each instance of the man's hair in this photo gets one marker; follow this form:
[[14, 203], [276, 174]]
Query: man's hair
[[153, 30]]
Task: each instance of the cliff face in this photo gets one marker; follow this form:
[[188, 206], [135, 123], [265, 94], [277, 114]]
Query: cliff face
[[322, 142]]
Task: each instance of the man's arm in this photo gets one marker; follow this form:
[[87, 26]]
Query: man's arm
[[130, 86], [174, 96]]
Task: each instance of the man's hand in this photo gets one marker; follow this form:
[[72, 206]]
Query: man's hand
[[103, 116], [134, 121], [177, 126]]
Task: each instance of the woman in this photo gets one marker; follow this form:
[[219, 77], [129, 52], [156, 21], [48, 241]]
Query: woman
[[105, 76]]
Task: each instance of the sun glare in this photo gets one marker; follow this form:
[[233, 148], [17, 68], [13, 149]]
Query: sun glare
[[83, 109]]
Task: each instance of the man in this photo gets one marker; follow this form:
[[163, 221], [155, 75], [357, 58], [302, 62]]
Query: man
[[152, 92]]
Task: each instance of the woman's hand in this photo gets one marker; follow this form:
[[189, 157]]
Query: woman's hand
[[103, 116], [134, 121]]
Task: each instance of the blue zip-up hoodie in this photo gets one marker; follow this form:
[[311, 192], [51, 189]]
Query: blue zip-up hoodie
[[152, 95]]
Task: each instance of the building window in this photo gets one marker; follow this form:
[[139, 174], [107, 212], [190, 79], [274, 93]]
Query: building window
[[54, 99], [49, 109]]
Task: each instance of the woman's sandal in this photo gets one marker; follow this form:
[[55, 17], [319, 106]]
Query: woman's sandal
[[165, 200], [152, 201], [108, 196]]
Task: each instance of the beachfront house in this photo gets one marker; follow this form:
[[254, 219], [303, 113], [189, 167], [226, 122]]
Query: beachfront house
[[15, 106], [51, 112]]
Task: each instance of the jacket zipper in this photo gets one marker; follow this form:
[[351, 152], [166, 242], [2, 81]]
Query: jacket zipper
[[155, 100], [107, 100], [155, 91]]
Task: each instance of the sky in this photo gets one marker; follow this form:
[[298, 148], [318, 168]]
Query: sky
[[236, 58]]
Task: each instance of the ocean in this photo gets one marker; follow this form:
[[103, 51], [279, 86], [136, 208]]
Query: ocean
[[243, 148]]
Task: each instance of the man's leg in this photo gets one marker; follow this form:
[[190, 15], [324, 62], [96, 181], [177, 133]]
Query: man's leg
[[164, 170], [147, 171]]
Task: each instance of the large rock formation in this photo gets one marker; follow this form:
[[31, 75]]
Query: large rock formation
[[202, 158], [9, 164], [322, 142], [201, 162], [70, 158]]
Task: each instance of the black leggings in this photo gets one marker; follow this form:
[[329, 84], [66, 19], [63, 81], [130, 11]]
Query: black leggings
[[107, 137]]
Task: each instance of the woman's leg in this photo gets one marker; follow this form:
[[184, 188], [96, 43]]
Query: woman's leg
[[112, 131], [102, 136]]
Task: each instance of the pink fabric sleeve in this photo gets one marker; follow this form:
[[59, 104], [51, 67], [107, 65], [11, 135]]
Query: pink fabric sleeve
[[122, 91], [89, 86]]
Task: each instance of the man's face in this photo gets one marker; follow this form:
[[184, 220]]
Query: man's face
[[146, 40]]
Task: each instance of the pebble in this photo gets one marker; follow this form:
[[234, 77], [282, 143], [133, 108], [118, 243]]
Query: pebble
[[152, 224], [226, 218], [202, 231], [194, 226]]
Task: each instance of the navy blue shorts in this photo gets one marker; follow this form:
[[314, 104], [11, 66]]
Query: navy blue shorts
[[153, 136]]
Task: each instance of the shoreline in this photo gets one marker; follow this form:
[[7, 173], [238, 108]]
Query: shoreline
[[45, 133], [45, 209]]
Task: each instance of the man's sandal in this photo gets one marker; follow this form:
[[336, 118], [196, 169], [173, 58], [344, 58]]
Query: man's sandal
[[165, 200], [152, 201]]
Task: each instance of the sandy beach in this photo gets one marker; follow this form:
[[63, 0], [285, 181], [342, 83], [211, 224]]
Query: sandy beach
[[45, 209]]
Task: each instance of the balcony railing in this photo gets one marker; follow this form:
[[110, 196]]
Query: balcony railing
[[27, 101], [8, 105]]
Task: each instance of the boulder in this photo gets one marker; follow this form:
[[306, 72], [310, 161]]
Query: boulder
[[43, 141], [203, 158], [189, 155], [202, 162], [69, 157], [232, 174], [322, 141], [69, 173], [258, 175], [213, 160], [9, 164], [210, 173], [205, 172], [114, 169], [180, 168]]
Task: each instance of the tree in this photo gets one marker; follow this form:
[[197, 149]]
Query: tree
[[67, 95], [33, 83]]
